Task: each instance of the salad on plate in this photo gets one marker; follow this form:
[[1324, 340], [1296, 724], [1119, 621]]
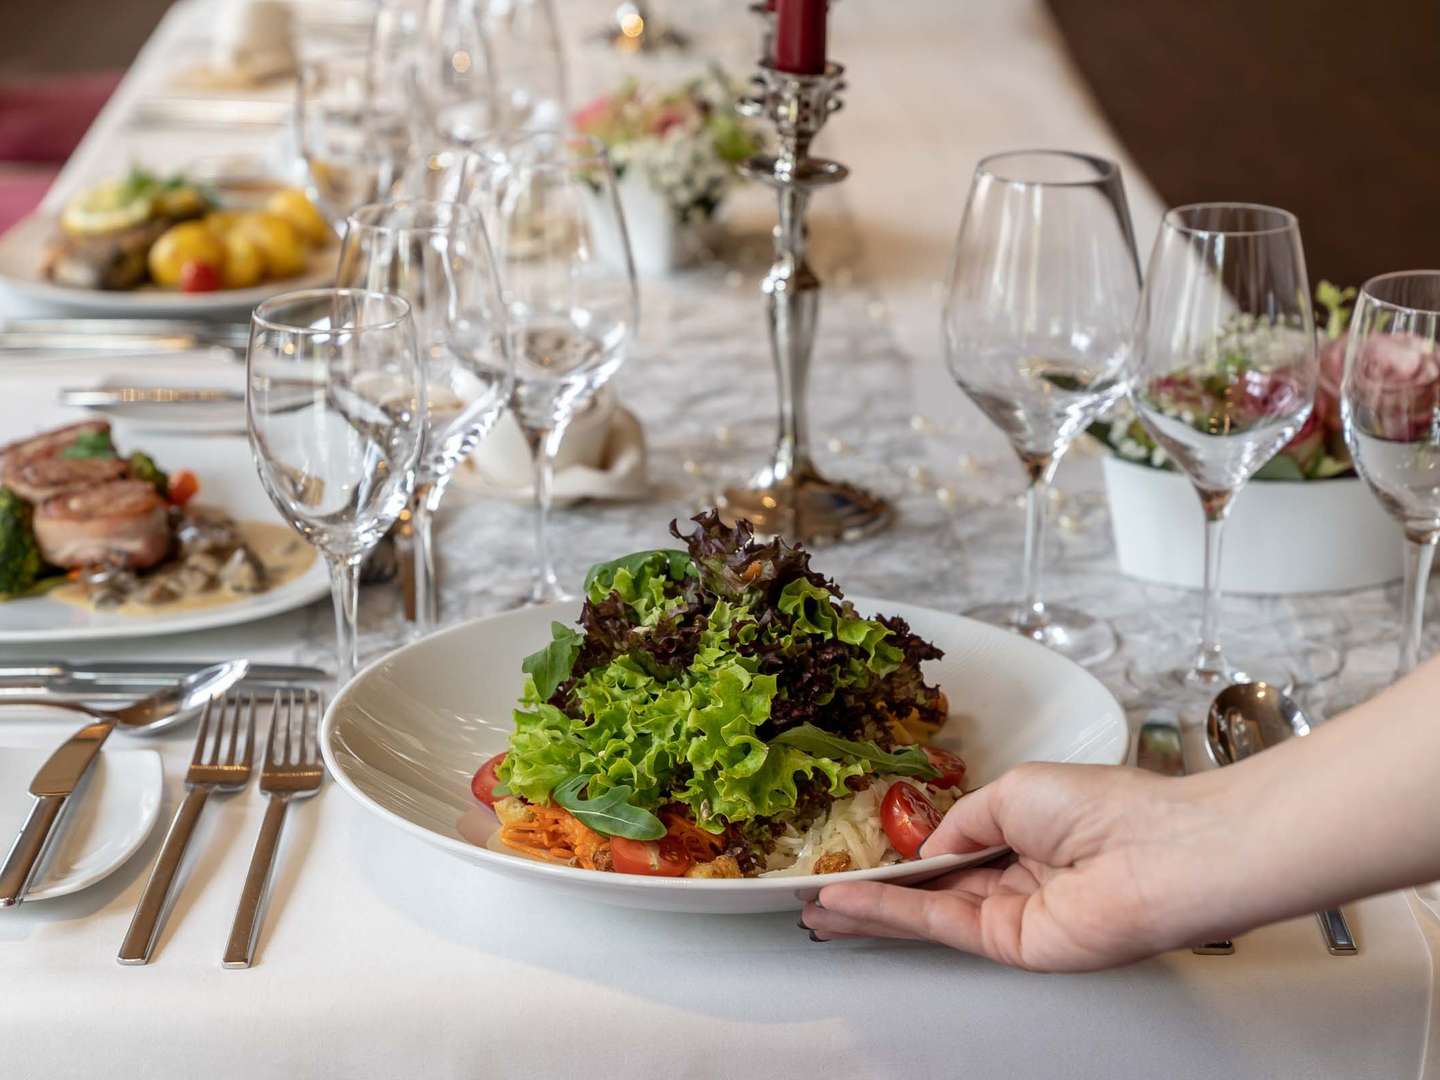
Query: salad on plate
[[722, 712]]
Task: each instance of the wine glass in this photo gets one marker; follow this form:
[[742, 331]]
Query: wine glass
[[1224, 374], [1037, 327], [353, 132], [437, 256], [530, 75], [457, 75], [1390, 403], [397, 41], [570, 297], [335, 407]]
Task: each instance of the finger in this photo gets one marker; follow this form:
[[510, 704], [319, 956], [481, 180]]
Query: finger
[[949, 917], [970, 825], [831, 925], [979, 881]]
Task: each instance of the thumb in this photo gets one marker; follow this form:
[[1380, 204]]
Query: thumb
[[970, 825]]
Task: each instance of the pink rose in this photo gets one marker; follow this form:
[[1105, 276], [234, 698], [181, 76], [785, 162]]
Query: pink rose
[[1394, 387], [591, 115]]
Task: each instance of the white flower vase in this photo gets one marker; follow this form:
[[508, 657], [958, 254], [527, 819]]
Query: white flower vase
[[660, 242], [1282, 537]]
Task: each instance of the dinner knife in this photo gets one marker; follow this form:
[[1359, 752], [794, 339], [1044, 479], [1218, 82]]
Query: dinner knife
[[1160, 749], [52, 787], [125, 680], [150, 395]]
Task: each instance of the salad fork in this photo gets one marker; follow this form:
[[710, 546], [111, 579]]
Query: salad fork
[[218, 766], [292, 770]]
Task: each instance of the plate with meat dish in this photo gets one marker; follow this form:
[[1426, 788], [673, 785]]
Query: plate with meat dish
[[100, 540], [716, 728], [146, 245]]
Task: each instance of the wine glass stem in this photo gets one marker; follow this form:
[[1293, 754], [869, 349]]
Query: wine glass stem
[[544, 444], [1209, 657], [345, 592], [1419, 556], [1041, 469], [427, 582]]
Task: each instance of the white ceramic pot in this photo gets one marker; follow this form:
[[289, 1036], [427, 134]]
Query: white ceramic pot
[[505, 455], [659, 242], [1283, 537]]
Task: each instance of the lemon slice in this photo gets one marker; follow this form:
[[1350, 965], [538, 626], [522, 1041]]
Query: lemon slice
[[107, 207]]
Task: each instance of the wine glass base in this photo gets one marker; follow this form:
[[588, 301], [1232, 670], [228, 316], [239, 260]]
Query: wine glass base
[[806, 508], [1074, 635], [1311, 665], [536, 596]]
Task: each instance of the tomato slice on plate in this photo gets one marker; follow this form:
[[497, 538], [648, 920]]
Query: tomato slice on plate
[[908, 817], [951, 767], [483, 784], [653, 858]]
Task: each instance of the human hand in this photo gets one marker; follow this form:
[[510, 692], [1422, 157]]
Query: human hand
[[1110, 865]]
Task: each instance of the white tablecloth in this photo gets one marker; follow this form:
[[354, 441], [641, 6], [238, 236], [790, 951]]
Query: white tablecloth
[[384, 958]]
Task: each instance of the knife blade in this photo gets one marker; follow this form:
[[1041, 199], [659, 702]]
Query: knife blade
[[52, 787], [150, 395], [1161, 749], [149, 673]]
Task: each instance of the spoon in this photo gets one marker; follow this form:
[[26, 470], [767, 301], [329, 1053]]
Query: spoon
[[62, 774], [1244, 719], [161, 710]]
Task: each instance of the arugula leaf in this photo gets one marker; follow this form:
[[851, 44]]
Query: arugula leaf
[[90, 444], [551, 666], [907, 761], [677, 566], [610, 814]]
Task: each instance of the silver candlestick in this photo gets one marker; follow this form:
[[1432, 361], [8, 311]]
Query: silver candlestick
[[789, 497]]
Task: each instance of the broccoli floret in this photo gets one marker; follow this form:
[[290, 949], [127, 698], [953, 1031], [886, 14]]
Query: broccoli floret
[[142, 467], [20, 562]]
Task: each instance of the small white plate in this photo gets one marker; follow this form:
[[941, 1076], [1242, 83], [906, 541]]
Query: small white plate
[[22, 252], [407, 734], [107, 819]]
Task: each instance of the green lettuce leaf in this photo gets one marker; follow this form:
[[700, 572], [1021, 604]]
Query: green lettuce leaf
[[552, 665], [645, 580], [906, 761]]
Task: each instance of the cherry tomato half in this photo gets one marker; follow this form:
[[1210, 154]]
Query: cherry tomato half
[[951, 767], [908, 817], [197, 276], [182, 487], [653, 858], [482, 785]]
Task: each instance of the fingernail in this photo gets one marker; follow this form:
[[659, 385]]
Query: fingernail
[[816, 937], [800, 922]]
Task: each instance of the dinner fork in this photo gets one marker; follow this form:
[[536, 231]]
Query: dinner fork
[[292, 770], [220, 766]]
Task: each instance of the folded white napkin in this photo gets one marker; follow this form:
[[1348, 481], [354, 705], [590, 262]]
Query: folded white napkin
[[254, 39]]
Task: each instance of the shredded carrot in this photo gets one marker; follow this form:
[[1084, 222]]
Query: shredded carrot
[[700, 845], [556, 835]]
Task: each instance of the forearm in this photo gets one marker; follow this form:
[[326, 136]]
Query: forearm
[[1349, 811]]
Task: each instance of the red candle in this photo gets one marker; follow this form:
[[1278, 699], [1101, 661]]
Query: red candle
[[800, 36]]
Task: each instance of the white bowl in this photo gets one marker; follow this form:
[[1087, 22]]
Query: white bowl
[[407, 734], [1282, 537]]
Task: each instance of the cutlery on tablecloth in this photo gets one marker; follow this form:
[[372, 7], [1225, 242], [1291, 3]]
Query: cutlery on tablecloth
[[292, 770], [123, 335], [66, 768], [99, 396], [1161, 749], [222, 765], [209, 113], [1244, 719], [101, 680]]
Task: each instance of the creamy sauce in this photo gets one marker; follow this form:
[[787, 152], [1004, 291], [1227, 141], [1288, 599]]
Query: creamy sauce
[[284, 555]]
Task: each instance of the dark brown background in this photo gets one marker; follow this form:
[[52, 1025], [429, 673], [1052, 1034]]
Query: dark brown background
[[1326, 107]]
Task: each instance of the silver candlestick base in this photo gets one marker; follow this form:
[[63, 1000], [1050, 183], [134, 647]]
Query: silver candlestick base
[[789, 497]]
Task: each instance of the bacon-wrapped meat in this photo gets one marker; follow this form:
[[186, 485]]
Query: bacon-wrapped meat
[[123, 523]]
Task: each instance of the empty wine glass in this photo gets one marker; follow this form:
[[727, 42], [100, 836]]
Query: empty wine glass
[[335, 407], [437, 256], [1390, 402], [397, 48], [1037, 326], [457, 75], [353, 132], [530, 76], [570, 297], [1224, 374]]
